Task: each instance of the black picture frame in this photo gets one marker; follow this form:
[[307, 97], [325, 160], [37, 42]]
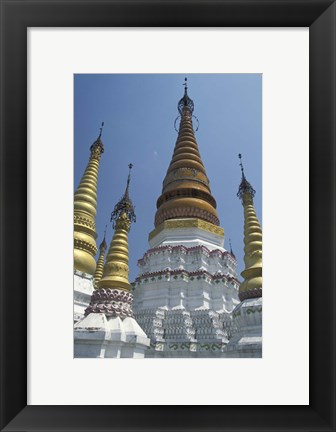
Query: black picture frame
[[16, 17]]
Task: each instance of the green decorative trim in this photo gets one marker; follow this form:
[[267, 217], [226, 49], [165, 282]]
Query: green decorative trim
[[173, 346], [205, 346], [253, 310], [185, 345]]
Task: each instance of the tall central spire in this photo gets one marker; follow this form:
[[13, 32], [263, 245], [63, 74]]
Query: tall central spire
[[186, 189]]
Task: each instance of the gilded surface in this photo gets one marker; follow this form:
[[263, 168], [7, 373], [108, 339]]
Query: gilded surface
[[100, 266], [116, 270], [85, 246], [252, 285], [186, 172], [187, 223], [85, 208]]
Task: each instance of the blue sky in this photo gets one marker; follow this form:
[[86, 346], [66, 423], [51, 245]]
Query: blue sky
[[139, 113]]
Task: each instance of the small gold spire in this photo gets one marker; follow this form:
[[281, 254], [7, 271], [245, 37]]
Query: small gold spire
[[252, 285], [101, 259], [85, 208], [116, 270]]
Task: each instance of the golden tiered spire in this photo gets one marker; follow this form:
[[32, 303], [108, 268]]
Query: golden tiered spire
[[85, 208], [252, 285], [115, 274], [101, 259], [186, 190]]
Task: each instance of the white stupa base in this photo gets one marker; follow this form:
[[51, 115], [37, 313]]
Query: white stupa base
[[247, 341], [83, 289], [186, 291], [96, 336]]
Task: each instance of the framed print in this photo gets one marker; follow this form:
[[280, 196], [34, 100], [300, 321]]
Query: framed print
[[158, 392]]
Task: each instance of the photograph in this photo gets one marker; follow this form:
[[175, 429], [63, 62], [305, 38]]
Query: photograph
[[168, 215]]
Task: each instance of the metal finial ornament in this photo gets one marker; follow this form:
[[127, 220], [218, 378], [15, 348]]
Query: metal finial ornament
[[241, 165], [185, 84], [245, 186], [125, 204], [98, 144], [231, 251], [101, 129], [185, 102], [103, 244]]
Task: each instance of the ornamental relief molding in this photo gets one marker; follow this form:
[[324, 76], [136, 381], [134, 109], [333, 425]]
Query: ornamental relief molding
[[187, 223], [80, 220], [185, 212], [118, 268], [112, 302], [251, 293], [85, 246]]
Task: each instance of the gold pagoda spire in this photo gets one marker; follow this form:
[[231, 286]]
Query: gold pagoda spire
[[116, 270], [101, 259], [85, 208], [186, 189], [252, 285]]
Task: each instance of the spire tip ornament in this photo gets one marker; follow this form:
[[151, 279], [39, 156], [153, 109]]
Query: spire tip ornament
[[185, 104], [245, 188], [103, 244], [124, 205], [231, 251], [97, 147]]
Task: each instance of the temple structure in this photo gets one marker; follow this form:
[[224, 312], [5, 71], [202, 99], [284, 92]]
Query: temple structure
[[247, 341], [108, 328], [85, 248], [187, 299], [187, 286]]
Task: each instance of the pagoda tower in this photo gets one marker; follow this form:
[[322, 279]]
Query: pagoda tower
[[85, 248], [187, 285], [85, 209], [247, 341], [109, 329]]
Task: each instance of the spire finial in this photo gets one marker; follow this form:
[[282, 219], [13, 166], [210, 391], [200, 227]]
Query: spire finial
[[245, 186], [185, 102], [97, 147], [130, 166], [241, 165], [125, 204], [231, 251], [185, 84], [101, 130], [103, 244]]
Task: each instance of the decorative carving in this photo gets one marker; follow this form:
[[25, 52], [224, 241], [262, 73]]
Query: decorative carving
[[111, 302], [85, 246], [252, 293], [187, 223], [80, 220], [123, 222], [118, 269], [185, 212]]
